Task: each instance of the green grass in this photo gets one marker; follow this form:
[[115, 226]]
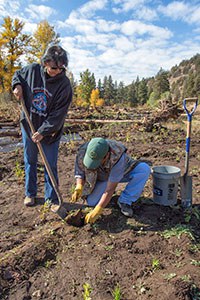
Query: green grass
[[178, 231]]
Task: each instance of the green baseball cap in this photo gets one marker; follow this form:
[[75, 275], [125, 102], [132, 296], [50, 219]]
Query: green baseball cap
[[96, 151]]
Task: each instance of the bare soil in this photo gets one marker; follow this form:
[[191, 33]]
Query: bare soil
[[153, 255]]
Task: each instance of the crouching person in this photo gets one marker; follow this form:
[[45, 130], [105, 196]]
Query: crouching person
[[100, 165]]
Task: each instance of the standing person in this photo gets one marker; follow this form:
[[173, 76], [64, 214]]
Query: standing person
[[100, 165], [47, 94]]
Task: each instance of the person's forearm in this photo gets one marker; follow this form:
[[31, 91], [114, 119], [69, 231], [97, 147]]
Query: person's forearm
[[106, 197], [80, 181]]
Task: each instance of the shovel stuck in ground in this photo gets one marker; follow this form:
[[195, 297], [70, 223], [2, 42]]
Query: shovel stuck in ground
[[59, 209], [186, 180]]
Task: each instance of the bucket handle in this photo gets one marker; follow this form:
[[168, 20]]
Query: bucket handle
[[190, 114]]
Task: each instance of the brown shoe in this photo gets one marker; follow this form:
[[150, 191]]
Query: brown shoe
[[29, 201]]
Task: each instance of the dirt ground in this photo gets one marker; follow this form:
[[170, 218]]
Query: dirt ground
[[153, 255]]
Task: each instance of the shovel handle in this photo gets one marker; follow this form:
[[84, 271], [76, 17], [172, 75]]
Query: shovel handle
[[189, 124], [43, 156], [190, 114]]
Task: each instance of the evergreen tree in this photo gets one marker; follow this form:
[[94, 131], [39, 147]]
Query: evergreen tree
[[100, 88], [161, 83], [142, 91], [84, 89], [108, 88], [131, 95], [121, 93]]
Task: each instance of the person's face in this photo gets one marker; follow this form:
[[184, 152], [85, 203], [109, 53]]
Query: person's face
[[52, 69]]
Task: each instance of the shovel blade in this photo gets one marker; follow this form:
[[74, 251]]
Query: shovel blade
[[60, 211], [186, 191]]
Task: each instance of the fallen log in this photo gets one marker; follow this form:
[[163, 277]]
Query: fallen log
[[90, 121]]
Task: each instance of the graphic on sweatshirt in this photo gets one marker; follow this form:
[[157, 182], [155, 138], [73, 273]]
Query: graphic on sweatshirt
[[39, 102]]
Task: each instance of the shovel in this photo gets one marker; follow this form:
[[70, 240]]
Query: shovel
[[61, 211], [186, 180]]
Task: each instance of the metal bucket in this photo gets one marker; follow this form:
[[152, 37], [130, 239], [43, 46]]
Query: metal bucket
[[165, 184]]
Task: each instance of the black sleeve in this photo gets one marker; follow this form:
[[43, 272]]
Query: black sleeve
[[56, 117]]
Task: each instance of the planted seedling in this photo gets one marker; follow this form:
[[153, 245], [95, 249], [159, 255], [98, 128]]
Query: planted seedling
[[169, 276], [155, 264], [87, 291], [117, 293], [19, 171]]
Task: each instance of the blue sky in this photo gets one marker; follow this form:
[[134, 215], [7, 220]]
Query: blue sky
[[122, 38]]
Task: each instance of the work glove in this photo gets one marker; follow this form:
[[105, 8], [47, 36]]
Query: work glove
[[92, 216], [77, 193]]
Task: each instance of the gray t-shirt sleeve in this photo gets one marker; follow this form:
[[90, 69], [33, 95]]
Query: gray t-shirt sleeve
[[117, 172]]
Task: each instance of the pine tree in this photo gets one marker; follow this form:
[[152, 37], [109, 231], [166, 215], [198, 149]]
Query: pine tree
[[108, 88], [161, 83], [131, 95], [84, 89], [142, 91]]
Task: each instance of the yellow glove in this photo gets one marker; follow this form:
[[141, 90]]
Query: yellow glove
[[92, 216], [77, 193]]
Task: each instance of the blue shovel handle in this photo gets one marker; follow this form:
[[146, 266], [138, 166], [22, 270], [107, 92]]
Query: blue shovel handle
[[189, 118], [190, 114]]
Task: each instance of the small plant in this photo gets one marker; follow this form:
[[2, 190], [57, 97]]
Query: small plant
[[170, 276], [155, 264], [128, 137], [178, 230], [44, 210], [186, 278], [87, 291], [19, 171], [117, 293], [178, 252], [191, 212], [194, 248], [195, 262]]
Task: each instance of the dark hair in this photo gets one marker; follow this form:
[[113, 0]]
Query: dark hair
[[56, 54]]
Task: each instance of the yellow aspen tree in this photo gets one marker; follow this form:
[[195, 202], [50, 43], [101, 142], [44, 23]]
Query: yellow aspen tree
[[95, 101], [42, 38], [14, 44]]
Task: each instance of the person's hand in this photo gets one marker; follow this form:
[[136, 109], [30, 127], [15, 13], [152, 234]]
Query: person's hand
[[77, 193], [37, 137], [18, 92], [92, 216]]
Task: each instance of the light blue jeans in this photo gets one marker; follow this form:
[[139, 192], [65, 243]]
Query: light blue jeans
[[136, 179], [30, 163]]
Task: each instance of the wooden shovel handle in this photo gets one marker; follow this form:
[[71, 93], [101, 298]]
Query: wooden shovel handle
[[43, 156]]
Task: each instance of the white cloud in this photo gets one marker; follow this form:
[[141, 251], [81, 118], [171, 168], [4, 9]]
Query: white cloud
[[8, 8], [145, 13], [29, 27], [89, 9], [39, 12], [127, 5], [138, 28], [187, 12], [175, 10]]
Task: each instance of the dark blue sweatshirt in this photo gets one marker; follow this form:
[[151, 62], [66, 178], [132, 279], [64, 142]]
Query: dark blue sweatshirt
[[47, 100]]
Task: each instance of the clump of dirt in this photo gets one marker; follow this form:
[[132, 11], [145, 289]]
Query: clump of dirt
[[153, 255]]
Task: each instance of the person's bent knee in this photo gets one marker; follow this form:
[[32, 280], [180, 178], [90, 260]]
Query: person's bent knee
[[145, 168]]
